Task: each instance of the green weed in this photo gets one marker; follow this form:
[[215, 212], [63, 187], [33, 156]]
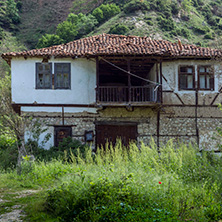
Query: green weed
[[126, 184]]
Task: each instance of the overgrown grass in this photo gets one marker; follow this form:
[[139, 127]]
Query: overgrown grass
[[119, 184]]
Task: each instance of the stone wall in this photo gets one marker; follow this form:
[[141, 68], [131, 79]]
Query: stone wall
[[177, 123]]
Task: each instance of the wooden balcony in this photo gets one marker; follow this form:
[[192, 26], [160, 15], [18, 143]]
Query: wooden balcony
[[124, 95]]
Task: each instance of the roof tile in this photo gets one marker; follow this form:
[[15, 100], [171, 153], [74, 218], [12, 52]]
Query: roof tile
[[106, 44]]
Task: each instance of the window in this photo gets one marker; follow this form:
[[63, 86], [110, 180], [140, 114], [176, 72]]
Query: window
[[43, 75], [186, 77], [62, 76], [205, 78], [62, 132]]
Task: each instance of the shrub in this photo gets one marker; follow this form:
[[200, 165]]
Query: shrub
[[162, 6], [206, 11], [208, 36], [140, 185], [105, 200], [148, 20], [8, 153], [201, 29], [72, 147], [119, 29], [67, 150], [213, 21], [185, 32], [135, 5], [174, 7], [166, 24]]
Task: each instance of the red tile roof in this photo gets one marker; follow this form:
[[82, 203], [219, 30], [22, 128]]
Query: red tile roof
[[106, 44]]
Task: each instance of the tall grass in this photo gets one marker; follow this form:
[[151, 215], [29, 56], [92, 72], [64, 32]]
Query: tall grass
[[132, 184]]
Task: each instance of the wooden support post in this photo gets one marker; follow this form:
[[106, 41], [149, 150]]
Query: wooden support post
[[157, 80], [158, 130], [63, 116], [161, 83], [97, 80], [129, 81], [196, 117]]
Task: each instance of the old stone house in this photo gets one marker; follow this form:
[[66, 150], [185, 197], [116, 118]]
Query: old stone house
[[107, 86]]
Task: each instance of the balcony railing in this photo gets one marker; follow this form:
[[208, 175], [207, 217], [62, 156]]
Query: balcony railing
[[124, 94]]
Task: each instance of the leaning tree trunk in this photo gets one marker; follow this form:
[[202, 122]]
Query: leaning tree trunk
[[21, 153]]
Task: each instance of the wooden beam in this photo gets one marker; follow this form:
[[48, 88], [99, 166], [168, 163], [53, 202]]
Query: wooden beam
[[97, 79], [129, 81]]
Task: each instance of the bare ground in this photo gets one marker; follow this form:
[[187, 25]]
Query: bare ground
[[15, 212]]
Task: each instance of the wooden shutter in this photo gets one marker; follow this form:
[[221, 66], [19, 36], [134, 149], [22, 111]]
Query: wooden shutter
[[43, 75], [62, 76]]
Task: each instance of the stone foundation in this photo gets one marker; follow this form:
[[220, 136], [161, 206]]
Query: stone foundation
[[177, 123]]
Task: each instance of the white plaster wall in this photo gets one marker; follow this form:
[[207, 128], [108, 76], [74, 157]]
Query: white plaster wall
[[152, 73], [49, 143], [170, 71], [57, 109], [83, 83]]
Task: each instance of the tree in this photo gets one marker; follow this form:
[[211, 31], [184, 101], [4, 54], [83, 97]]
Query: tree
[[105, 12], [67, 31], [98, 14], [73, 18], [49, 40], [12, 11], [16, 126], [109, 10], [86, 24]]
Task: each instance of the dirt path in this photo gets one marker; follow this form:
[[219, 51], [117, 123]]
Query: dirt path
[[13, 212]]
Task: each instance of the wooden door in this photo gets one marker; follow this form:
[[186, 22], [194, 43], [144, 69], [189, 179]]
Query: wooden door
[[110, 132], [61, 133]]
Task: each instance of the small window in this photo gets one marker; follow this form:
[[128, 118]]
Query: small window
[[205, 78], [43, 75], [62, 132], [62, 76], [186, 78]]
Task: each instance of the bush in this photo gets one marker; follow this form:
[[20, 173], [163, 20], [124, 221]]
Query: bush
[[208, 36], [213, 21], [72, 147], [206, 11], [148, 20], [174, 8], [166, 24], [67, 150], [8, 153], [135, 5], [119, 29], [185, 32], [140, 185], [162, 6], [201, 29]]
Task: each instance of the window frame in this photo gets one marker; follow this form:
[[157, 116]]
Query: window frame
[[44, 72], [182, 73], [205, 74], [56, 73]]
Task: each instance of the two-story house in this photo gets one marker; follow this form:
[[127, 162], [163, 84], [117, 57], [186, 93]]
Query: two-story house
[[107, 86]]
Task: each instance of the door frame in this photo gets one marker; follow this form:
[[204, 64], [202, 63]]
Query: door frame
[[114, 123]]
